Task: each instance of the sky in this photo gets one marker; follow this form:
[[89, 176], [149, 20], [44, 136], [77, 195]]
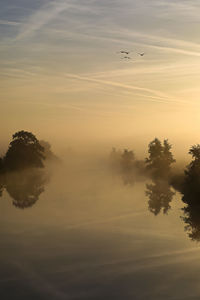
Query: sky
[[62, 76]]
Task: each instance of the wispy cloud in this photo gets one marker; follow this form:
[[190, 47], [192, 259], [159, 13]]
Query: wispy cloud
[[139, 40], [153, 41], [154, 68], [41, 17], [168, 44], [177, 8], [5, 22], [172, 49], [154, 94]]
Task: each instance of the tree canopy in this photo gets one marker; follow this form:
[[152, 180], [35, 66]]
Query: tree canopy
[[24, 151], [160, 158]]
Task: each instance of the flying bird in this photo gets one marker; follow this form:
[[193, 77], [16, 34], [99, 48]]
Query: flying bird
[[141, 54], [124, 52], [126, 57]]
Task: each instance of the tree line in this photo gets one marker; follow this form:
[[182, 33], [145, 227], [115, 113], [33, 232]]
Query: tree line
[[158, 167], [26, 152]]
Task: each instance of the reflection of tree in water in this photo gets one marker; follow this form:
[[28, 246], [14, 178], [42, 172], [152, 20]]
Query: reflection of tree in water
[[192, 219], [25, 187], [160, 195], [191, 195]]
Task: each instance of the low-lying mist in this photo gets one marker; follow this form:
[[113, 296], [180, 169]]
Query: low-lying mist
[[80, 175]]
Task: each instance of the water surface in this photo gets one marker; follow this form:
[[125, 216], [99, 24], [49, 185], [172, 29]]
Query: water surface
[[80, 233]]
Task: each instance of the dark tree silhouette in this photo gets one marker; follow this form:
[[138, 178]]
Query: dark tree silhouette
[[190, 190], [191, 184], [1, 185], [1, 165], [192, 220], [25, 187], [160, 195], [160, 158], [24, 151]]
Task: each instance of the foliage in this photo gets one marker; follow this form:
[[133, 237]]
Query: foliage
[[160, 158], [191, 195], [191, 186], [193, 169], [24, 151], [1, 185], [192, 220], [1, 165]]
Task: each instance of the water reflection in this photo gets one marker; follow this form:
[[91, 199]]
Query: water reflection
[[89, 241], [160, 195], [191, 197], [24, 187], [192, 220]]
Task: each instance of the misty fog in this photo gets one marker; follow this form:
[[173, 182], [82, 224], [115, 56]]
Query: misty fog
[[99, 150]]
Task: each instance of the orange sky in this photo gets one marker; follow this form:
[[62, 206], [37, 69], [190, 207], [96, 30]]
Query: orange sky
[[63, 78]]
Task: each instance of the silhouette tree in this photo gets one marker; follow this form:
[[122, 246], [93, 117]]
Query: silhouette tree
[[1, 165], [25, 187], [192, 220], [191, 185], [160, 158], [24, 151], [160, 195], [1, 185]]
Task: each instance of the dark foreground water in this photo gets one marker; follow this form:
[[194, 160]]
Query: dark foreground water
[[83, 234]]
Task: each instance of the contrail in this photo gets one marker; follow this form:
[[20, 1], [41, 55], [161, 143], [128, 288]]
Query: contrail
[[162, 96]]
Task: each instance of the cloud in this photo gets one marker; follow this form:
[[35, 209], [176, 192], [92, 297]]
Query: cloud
[[5, 22], [175, 8], [171, 49], [40, 18], [154, 41], [137, 39], [157, 95]]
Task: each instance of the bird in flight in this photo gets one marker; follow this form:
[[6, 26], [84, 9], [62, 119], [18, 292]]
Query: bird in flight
[[126, 57], [124, 52], [141, 54]]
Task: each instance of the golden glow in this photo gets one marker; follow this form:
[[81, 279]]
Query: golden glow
[[63, 78]]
